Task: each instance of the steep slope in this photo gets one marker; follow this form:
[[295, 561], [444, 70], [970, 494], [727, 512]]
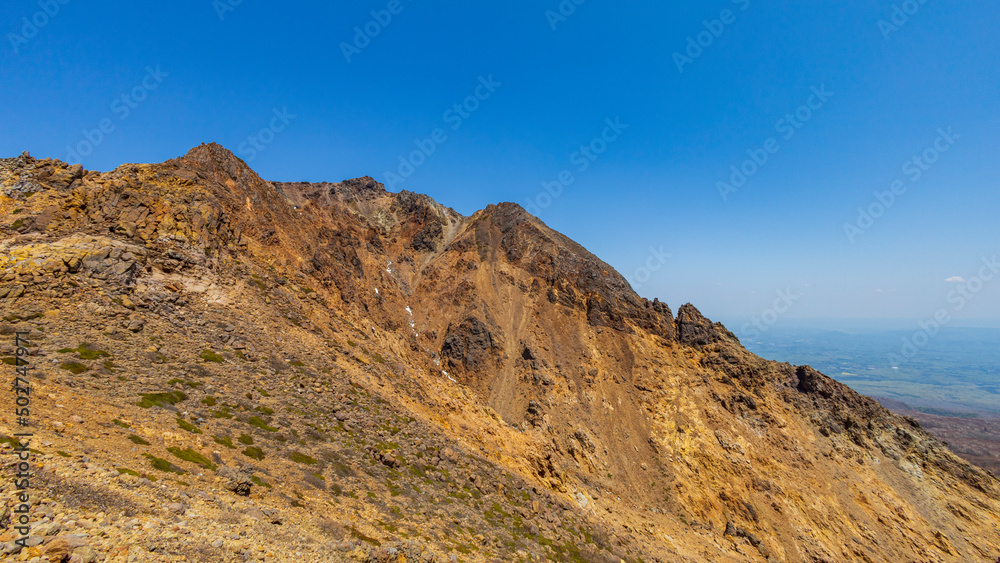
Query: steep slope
[[404, 381]]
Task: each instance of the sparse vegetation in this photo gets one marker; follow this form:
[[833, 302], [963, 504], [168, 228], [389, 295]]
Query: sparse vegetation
[[163, 465], [193, 457], [258, 422], [358, 535], [76, 368], [210, 356], [138, 440], [178, 381], [254, 452], [10, 441], [301, 458], [224, 441], [161, 399], [85, 352], [188, 426], [258, 481]]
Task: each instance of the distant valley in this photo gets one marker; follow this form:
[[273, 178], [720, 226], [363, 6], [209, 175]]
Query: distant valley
[[951, 385]]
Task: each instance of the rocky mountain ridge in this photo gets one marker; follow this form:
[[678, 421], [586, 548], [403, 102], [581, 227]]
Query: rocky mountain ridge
[[221, 361]]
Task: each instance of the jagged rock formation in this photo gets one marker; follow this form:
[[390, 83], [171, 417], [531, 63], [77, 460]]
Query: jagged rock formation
[[372, 376]]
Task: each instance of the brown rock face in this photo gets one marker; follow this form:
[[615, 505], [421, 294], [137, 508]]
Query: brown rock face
[[399, 380], [469, 346], [57, 549]]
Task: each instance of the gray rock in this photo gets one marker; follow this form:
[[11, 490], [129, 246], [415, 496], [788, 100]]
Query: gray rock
[[49, 529], [238, 481], [176, 507]]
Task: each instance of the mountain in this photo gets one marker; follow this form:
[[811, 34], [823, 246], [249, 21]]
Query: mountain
[[230, 369]]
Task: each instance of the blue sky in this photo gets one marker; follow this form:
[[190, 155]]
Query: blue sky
[[274, 85]]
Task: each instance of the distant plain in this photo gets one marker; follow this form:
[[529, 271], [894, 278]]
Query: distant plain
[[956, 373]]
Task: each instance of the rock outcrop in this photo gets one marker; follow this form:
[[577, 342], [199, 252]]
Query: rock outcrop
[[230, 369]]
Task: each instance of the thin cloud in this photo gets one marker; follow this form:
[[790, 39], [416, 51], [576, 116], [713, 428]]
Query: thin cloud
[[955, 279]]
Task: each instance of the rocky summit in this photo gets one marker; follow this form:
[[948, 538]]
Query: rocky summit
[[224, 368]]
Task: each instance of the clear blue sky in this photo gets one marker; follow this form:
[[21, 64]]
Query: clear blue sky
[[887, 92]]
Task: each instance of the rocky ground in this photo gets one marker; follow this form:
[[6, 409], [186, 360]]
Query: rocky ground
[[229, 369]]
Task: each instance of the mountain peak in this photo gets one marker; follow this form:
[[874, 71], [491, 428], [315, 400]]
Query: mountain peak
[[215, 156]]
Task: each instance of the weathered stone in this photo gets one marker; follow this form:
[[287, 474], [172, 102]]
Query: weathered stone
[[57, 549]]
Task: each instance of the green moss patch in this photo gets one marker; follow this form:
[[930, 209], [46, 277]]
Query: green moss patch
[[301, 458], [138, 440], [193, 457], [210, 356], [224, 441], [163, 465], [161, 399], [76, 368], [258, 422], [177, 380], [254, 453], [188, 426], [85, 352]]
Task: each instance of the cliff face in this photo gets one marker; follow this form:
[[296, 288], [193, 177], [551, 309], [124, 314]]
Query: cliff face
[[406, 381]]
